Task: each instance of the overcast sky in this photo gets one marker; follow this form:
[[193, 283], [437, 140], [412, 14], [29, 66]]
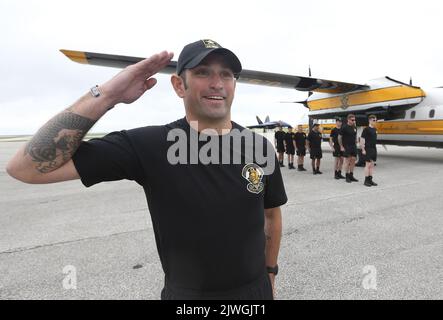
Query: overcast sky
[[352, 41]]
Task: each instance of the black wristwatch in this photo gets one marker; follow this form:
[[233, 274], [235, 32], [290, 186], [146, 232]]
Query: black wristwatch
[[273, 270]]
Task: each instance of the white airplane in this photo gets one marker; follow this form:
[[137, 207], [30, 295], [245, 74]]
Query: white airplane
[[408, 115]]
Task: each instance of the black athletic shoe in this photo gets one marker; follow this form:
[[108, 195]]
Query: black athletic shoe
[[348, 178], [340, 176], [319, 172], [351, 176], [336, 175], [372, 182]]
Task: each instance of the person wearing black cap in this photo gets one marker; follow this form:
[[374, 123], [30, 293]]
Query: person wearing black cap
[[314, 147], [219, 236], [368, 143], [335, 146]]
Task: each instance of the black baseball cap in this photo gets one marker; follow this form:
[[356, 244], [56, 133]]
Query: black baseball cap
[[193, 54]]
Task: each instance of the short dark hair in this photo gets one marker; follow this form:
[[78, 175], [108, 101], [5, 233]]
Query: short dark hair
[[351, 115], [372, 116]]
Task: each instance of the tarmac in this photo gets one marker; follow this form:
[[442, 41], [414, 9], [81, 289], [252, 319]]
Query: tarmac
[[340, 240]]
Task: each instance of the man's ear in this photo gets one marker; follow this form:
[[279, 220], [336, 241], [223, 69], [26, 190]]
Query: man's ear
[[178, 85]]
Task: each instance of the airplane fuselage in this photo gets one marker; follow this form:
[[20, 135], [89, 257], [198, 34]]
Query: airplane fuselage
[[421, 125], [408, 115]]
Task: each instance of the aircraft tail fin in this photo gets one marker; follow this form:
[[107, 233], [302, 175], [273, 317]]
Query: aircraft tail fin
[[258, 120]]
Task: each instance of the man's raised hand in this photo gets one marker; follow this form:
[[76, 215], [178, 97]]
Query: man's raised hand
[[134, 80]]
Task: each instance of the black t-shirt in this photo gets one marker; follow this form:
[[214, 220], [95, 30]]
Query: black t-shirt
[[289, 139], [334, 135], [208, 219], [314, 139], [349, 135], [280, 136], [370, 136], [300, 140]]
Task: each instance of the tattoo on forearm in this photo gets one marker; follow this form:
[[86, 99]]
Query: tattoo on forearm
[[56, 142]]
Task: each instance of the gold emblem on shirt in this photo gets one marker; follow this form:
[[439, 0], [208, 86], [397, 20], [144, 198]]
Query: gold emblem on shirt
[[254, 174]]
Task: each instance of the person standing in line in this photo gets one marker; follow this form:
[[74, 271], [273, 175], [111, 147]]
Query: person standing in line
[[300, 147], [368, 143], [335, 146], [347, 139], [290, 147], [280, 144], [314, 148]]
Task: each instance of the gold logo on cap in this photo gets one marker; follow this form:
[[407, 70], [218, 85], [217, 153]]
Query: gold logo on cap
[[210, 44]]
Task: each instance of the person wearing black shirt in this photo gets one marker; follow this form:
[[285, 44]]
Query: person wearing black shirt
[[368, 143], [314, 147], [335, 146], [300, 147], [290, 147], [279, 138], [347, 139], [217, 225]]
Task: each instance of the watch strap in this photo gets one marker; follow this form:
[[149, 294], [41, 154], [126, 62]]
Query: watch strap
[[273, 270]]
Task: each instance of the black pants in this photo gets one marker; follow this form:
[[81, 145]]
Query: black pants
[[260, 289]]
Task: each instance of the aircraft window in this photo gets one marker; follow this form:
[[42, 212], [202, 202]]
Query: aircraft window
[[412, 114], [432, 113], [396, 115]]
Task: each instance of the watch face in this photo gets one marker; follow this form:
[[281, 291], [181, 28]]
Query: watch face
[[95, 92]]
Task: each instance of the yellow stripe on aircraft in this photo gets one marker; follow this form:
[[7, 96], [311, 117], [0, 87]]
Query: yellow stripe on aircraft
[[429, 127], [76, 56], [366, 97], [421, 127]]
